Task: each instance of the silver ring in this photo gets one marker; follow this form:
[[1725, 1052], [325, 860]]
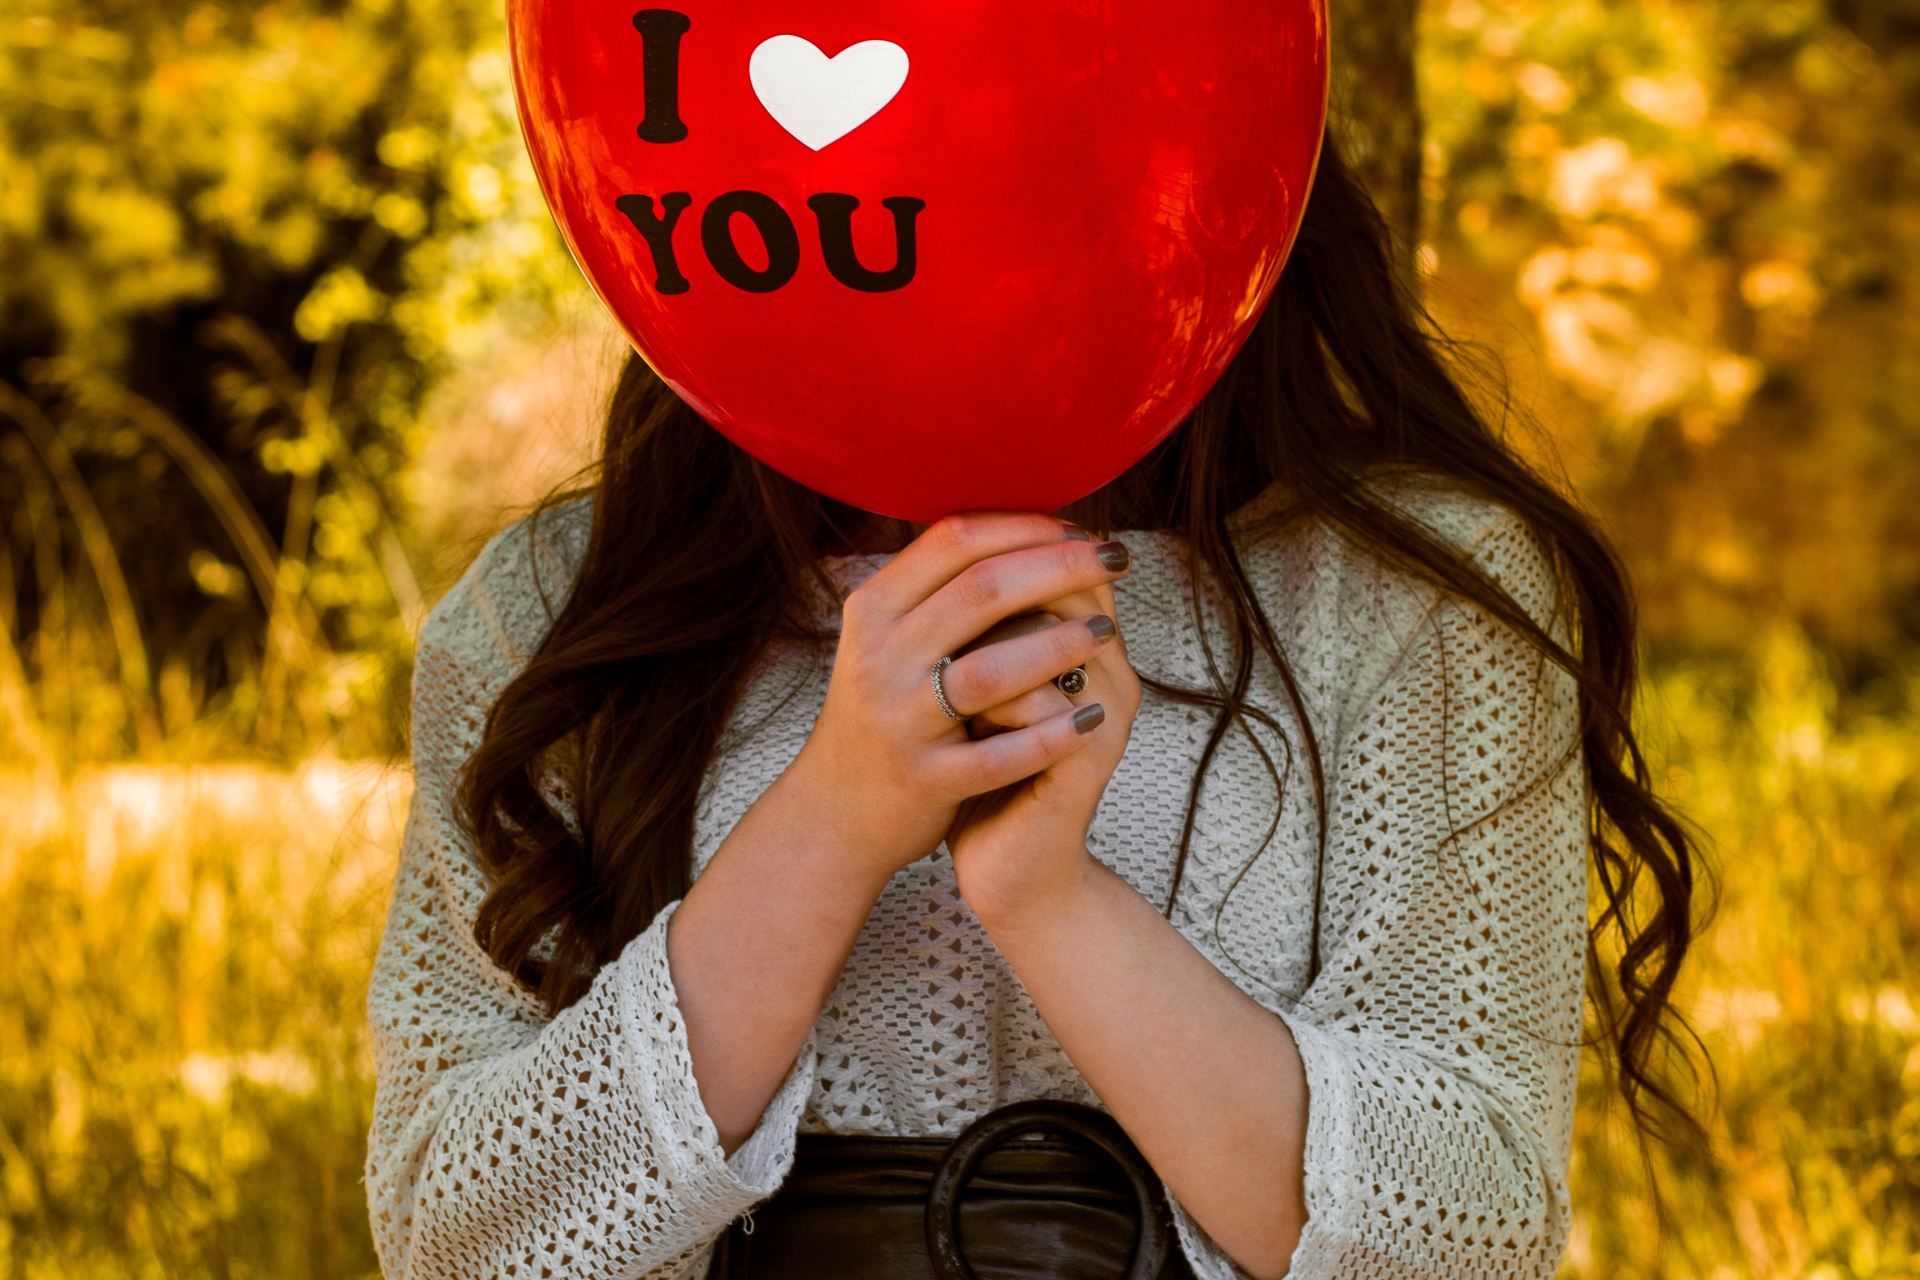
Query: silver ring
[[940, 694], [1072, 681]]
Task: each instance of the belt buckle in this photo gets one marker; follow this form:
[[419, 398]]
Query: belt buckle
[[964, 1154]]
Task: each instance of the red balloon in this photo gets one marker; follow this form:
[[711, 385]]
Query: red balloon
[[925, 257]]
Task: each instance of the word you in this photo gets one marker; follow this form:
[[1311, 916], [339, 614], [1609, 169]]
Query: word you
[[817, 99]]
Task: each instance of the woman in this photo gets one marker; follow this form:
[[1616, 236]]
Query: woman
[[704, 860]]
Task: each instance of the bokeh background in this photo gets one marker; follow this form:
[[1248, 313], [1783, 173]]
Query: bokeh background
[[285, 331]]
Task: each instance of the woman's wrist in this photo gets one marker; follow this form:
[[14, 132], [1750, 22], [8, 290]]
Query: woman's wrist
[[850, 842], [1038, 899]]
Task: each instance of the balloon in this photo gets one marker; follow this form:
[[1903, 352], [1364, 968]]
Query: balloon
[[928, 256]]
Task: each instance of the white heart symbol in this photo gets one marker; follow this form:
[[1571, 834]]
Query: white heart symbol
[[821, 100]]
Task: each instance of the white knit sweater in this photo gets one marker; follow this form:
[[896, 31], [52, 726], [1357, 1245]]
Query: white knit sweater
[[1439, 1037]]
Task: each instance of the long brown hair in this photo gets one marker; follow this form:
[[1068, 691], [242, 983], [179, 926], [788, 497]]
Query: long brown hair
[[698, 554]]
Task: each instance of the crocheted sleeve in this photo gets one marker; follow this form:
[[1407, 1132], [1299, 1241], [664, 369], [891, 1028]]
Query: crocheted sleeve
[[1440, 1036], [504, 1143]]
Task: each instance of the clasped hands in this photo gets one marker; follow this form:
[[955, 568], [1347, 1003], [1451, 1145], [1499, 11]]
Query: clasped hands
[[1018, 849], [1012, 782]]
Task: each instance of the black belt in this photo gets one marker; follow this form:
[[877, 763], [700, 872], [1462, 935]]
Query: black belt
[[1080, 1203]]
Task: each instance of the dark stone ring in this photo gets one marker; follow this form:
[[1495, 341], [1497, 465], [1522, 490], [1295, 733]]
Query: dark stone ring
[[1072, 682]]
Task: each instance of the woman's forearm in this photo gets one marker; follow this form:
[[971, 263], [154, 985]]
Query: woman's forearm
[[1207, 1082], [759, 943]]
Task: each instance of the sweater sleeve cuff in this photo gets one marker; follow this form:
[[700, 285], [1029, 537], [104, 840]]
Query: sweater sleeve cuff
[[1328, 1140], [661, 1063], [760, 1164]]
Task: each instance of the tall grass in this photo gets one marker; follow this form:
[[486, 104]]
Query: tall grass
[[186, 1087], [1804, 987]]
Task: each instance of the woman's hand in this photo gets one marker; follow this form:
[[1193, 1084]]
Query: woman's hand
[[1015, 850], [884, 765]]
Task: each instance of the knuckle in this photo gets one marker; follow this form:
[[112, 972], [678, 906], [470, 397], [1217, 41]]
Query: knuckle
[[1042, 704], [1016, 713], [1074, 560], [857, 606], [978, 587], [1050, 527], [955, 531], [1027, 754], [979, 770], [872, 680], [1050, 744], [1072, 640], [1020, 707], [986, 678]]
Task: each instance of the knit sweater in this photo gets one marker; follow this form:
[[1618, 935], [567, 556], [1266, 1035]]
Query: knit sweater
[[1439, 1035]]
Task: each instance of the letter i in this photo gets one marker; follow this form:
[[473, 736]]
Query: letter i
[[660, 32]]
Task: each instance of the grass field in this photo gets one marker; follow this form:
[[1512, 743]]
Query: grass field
[[186, 1081]]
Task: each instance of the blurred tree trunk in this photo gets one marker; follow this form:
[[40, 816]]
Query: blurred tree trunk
[[1376, 108]]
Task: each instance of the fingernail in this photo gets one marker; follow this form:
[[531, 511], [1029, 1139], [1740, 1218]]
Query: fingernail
[[1088, 718], [1075, 533], [1114, 555], [1101, 626]]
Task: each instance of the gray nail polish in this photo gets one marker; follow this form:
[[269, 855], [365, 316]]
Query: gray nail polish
[[1101, 626], [1114, 555], [1075, 533], [1088, 718]]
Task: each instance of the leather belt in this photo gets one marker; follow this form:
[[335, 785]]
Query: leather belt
[[1077, 1202]]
